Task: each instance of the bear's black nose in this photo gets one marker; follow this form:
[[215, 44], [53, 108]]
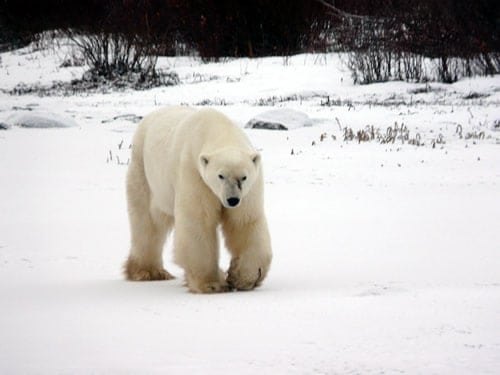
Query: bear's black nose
[[233, 201]]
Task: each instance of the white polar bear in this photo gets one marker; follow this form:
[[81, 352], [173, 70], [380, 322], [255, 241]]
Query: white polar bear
[[194, 170]]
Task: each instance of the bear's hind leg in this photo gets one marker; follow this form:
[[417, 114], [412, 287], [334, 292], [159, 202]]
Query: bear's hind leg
[[149, 229], [145, 260]]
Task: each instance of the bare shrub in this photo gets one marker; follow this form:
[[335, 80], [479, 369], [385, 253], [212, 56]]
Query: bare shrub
[[488, 63], [110, 54], [447, 69], [393, 40], [410, 67], [369, 66]]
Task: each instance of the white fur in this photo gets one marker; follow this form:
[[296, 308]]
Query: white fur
[[188, 169]]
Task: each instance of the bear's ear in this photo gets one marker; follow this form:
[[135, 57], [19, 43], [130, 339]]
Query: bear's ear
[[204, 160], [255, 158]]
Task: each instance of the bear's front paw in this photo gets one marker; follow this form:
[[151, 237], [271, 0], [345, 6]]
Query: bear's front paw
[[208, 286], [246, 274]]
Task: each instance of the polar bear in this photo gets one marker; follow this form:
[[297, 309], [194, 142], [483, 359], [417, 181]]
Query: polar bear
[[193, 171]]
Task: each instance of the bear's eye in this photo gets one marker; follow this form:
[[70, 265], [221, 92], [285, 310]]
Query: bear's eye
[[221, 177], [243, 178]]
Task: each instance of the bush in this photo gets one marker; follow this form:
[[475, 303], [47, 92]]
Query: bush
[[110, 55], [410, 67], [121, 47], [370, 66], [385, 39], [393, 40], [212, 28]]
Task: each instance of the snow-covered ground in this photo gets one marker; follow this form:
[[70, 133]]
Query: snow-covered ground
[[386, 256]]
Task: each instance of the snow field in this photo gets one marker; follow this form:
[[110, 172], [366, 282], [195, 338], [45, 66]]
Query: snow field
[[385, 255]]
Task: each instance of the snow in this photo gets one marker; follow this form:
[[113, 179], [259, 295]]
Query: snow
[[386, 256]]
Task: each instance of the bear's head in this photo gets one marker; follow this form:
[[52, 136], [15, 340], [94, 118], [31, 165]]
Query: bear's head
[[230, 174]]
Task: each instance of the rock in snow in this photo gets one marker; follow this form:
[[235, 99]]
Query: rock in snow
[[279, 119], [38, 119]]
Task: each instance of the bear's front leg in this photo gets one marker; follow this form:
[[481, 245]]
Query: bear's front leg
[[250, 247], [196, 249]]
